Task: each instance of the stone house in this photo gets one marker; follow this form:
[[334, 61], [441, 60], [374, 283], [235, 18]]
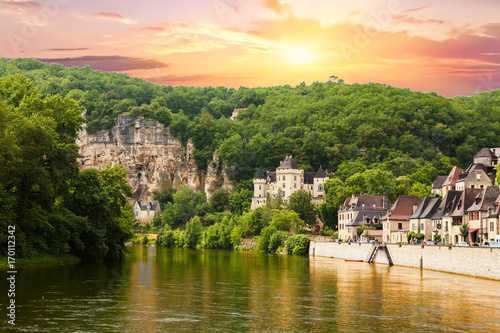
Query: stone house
[[449, 183], [359, 210], [460, 216], [476, 176], [421, 220], [286, 180], [442, 219], [479, 212], [437, 185], [396, 223], [487, 157], [492, 220], [145, 211]]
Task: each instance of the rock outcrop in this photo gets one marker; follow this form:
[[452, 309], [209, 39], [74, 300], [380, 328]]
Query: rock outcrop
[[152, 156]]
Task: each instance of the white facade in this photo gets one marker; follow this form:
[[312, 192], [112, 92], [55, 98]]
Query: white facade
[[286, 180]]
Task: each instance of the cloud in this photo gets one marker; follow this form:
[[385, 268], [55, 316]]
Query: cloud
[[412, 10], [413, 20], [67, 49], [108, 63], [277, 6], [107, 16], [182, 37]]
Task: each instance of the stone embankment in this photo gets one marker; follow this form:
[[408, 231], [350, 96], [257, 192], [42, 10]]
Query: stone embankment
[[473, 261]]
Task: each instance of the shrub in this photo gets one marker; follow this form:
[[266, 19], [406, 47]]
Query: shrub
[[304, 231], [236, 236], [265, 236], [145, 240], [275, 242], [297, 244]]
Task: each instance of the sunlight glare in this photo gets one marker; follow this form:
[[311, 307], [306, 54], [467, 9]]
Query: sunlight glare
[[301, 54]]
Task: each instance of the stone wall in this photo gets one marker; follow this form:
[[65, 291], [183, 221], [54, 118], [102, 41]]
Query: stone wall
[[473, 261], [152, 156]]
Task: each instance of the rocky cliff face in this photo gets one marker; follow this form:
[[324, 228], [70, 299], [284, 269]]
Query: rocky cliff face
[[153, 157]]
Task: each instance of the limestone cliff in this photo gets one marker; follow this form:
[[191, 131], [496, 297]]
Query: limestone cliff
[[152, 156]]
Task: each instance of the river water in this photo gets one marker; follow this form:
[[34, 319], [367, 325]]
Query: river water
[[170, 290]]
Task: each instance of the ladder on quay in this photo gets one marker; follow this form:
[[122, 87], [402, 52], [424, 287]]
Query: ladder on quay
[[374, 251]]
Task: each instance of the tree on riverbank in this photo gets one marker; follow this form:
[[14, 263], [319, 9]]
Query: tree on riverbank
[[55, 208]]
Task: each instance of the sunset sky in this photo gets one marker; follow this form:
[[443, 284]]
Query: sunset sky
[[448, 46]]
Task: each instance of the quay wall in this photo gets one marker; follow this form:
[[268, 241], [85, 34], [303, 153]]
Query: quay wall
[[473, 261]]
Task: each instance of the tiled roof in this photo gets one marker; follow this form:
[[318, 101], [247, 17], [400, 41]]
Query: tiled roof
[[288, 163], [485, 199], [466, 200], [447, 205], [361, 216], [272, 176], [320, 173], [366, 202], [260, 174], [403, 207], [427, 208], [151, 205], [452, 177], [309, 177], [438, 183], [485, 152]]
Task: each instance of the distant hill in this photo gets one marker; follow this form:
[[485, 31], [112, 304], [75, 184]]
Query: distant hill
[[346, 128]]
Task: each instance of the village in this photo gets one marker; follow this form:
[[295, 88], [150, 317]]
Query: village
[[463, 208]]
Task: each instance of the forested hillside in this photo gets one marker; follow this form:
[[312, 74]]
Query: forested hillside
[[375, 138]]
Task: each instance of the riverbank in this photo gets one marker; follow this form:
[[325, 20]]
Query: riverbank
[[471, 261], [59, 259]]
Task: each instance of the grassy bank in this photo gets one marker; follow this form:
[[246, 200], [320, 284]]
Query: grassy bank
[[42, 259]]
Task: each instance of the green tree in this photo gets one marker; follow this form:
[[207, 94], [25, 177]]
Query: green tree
[[193, 232], [464, 230], [219, 200], [300, 202]]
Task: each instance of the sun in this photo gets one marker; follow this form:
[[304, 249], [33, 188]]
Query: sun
[[301, 54]]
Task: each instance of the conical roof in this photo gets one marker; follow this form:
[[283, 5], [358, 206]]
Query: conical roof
[[260, 174], [288, 163], [321, 173]]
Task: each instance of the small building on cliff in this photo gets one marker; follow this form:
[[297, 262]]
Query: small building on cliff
[[287, 179], [145, 211]]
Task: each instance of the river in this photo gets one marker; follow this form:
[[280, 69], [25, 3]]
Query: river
[[170, 290]]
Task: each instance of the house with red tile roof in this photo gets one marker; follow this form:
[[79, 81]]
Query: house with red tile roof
[[396, 223]]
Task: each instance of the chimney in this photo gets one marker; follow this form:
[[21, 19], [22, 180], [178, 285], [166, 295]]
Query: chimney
[[414, 208], [384, 201]]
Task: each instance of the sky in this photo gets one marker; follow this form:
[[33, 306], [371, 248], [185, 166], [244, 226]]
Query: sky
[[448, 46]]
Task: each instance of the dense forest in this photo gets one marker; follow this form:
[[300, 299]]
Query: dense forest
[[371, 138], [51, 206]]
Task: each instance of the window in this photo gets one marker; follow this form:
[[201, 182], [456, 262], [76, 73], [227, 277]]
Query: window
[[283, 185], [492, 226], [260, 188], [400, 226], [478, 176], [422, 226], [283, 178], [294, 185], [446, 226], [413, 226], [472, 186], [295, 178], [320, 188]]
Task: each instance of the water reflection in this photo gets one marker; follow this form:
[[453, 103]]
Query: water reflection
[[195, 290]]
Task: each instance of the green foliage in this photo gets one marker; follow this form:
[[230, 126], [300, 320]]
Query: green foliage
[[437, 238], [297, 245], [275, 242], [236, 235], [265, 236], [219, 200], [300, 202], [362, 229], [286, 219], [464, 231], [193, 232], [218, 236]]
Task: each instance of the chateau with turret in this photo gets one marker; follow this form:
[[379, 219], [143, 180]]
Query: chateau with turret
[[287, 179]]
